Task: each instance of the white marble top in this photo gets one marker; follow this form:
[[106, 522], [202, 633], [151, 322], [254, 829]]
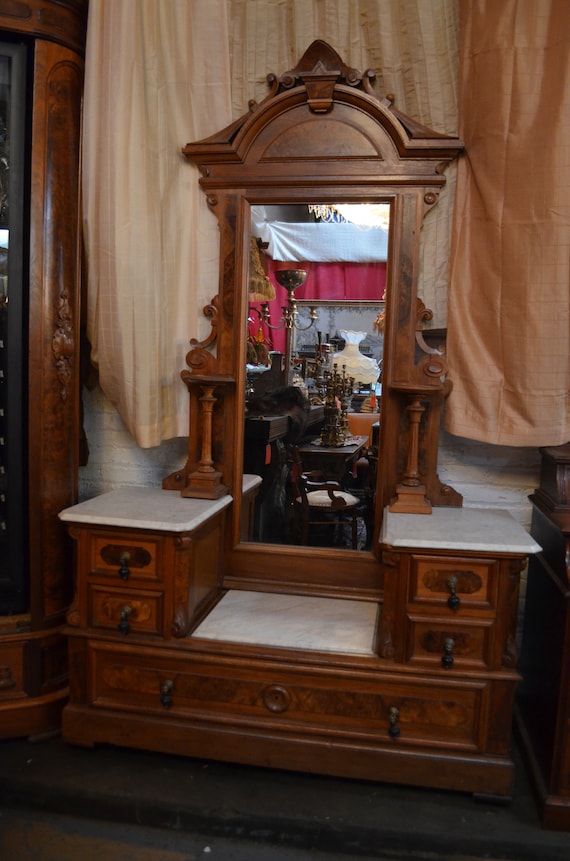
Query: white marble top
[[249, 482], [479, 529], [145, 508], [292, 622]]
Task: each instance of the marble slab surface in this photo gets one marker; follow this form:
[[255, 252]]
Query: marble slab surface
[[145, 508], [293, 622], [250, 482], [150, 508], [479, 529]]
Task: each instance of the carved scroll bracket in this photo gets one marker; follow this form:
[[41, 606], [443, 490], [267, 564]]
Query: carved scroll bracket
[[199, 359], [204, 482]]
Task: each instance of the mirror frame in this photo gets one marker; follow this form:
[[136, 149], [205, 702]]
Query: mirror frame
[[320, 134]]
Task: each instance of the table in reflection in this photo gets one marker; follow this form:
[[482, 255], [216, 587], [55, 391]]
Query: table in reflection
[[332, 461]]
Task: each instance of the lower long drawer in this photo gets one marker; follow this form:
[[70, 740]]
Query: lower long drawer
[[333, 701]]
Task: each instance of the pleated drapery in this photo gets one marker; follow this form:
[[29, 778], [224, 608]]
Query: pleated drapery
[[509, 302], [157, 76], [160, 73]]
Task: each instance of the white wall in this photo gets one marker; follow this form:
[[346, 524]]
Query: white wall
[[115, 460]]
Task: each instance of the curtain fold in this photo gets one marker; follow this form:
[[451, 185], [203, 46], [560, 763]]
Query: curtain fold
[[156, 76], [509, 301], [160, 73]]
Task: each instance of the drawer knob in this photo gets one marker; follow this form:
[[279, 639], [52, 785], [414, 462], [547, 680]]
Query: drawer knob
[[454, 600], [124, 626], [6, 679], [124, 571], [276, 698], [165, 693], [393, 717], [447, 657]]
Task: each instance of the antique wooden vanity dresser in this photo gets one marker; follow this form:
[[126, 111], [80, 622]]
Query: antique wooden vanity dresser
[[395, 664]]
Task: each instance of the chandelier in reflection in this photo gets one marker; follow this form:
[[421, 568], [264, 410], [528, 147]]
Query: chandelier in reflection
[[290, 279], [365, 216], [326, 212]]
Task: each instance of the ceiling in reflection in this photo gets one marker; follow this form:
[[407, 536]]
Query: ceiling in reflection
[[293, 233]]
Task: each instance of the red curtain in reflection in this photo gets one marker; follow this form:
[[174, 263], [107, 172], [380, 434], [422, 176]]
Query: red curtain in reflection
[[342, 282]]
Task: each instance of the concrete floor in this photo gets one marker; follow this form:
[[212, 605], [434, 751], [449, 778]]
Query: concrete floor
[[59, 803], [33, 836]]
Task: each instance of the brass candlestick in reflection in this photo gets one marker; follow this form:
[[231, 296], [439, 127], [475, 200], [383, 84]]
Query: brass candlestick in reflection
[[338, 388], [291, 280]]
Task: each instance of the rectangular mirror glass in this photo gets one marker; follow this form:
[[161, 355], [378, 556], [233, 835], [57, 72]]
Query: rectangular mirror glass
[[314, 362]]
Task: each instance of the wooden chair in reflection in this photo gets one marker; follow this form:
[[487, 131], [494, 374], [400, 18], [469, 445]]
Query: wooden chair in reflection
[[361, 482], [318, 503]]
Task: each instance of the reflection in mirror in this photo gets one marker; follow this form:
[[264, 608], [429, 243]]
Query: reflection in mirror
[[314, 364]]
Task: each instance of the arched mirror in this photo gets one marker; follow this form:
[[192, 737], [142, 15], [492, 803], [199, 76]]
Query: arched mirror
[[314, 369]]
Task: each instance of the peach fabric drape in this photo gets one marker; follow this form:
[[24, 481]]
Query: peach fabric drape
[[160, 73], [509, 303]]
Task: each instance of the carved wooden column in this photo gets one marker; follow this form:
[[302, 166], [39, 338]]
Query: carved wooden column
[[411, 493], [206, 481]]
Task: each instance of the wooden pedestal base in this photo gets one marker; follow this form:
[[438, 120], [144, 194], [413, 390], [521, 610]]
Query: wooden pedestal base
[[411, 500], [204, 485]]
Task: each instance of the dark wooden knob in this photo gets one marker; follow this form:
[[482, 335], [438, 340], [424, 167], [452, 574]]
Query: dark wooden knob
[[447, 657], [165, 693], [454, 601], [124, 571], [393, 717], [124, 626]]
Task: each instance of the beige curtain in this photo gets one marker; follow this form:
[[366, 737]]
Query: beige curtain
[[413, 47], [157, 74], [509, 303], [160, 73]]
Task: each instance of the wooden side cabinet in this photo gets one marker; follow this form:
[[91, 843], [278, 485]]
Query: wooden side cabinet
[[450, 610], [149, 567], [543, 707]]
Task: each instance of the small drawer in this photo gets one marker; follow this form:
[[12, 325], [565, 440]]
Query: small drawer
[[126, 612], [124, 559], [448, 644], [452, 583]]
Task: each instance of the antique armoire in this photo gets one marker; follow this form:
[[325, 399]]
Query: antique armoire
[[41, 59]]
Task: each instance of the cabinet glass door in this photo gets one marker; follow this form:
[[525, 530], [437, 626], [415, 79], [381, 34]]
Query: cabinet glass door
[[13, 352]]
